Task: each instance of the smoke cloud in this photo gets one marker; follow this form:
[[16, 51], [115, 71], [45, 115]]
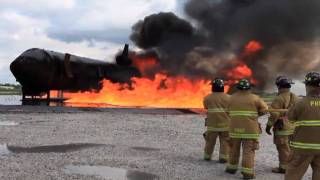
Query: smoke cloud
[[289, 31]]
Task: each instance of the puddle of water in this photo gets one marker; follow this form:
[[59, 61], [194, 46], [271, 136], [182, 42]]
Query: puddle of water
[[109, 172], [52, 148], [137, 175], [4, 150], [8, 123], [138, 148]]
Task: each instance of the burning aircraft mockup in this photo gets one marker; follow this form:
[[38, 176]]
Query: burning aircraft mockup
[[39, 71]]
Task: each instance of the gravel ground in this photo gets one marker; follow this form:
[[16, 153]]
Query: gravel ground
[[163, 142]]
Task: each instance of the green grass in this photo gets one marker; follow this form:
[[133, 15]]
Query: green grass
[[15, 89], [10, 93]]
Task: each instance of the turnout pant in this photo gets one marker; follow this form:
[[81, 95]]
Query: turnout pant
[[299, 163], [211, 138], [249, 146], [282, 144]]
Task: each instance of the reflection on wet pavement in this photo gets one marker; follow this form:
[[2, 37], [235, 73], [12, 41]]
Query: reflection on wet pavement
[[138, 148], [109, 172], [4, 150], [8, 123], [51, 148]]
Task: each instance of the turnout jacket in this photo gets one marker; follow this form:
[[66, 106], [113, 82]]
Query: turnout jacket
[[306, 116], [244, 109], [284, 100], [216, 103]]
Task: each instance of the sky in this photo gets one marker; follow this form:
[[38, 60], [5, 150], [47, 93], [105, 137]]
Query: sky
[[92, 28]]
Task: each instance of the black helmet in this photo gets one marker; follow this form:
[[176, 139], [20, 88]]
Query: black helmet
[[312, 79], [244, 84], [283, 82], [217, 85]]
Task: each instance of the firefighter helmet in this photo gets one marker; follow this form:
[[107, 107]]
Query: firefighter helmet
[[312, 79], [217, 85], [244, 84], [283, 82], [218, 82]]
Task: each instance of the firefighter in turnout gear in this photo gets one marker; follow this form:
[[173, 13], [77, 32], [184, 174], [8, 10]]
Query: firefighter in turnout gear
[[282, 128], [244, 110], [217, 121], [305, 143]]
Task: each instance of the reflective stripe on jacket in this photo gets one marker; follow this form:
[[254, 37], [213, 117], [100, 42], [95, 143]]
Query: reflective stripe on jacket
[[306, 115], [308, 123], [244, 109], [216, 103]]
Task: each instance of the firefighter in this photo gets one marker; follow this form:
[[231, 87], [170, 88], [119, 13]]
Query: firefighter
[[305, 143], [282, 128], [217, 121], [244, 110]]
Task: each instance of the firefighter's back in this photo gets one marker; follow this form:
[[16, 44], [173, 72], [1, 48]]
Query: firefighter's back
[[306, 138], [217, 104], [244, 108]]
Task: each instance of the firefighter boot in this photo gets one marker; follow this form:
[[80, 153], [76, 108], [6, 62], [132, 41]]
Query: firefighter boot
[[223, 161], [231, 171], [248, 176], [278, 170]]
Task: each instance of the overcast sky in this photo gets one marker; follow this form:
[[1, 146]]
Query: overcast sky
[[92, 28]]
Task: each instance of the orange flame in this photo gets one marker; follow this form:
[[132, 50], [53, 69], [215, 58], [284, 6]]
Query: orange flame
[[252, 47], [162, 91], [239, 72], [145, 64]]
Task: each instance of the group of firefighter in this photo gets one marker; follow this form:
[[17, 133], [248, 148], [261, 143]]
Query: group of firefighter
[[295, 123]]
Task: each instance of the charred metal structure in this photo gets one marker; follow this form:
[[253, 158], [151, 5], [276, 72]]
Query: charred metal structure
[[39, 71]]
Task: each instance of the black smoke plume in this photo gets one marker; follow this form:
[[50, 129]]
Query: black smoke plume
[[289, 31], [171, 38]]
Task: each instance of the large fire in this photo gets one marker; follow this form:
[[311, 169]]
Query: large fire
[[162, 91]]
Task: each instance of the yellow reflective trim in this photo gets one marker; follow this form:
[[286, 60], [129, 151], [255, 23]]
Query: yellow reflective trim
[[247, 170], [244, 136], [214, 129], [254, 115], [214, 110], [301, 145], [308, 123], [243, 113], [248, 115], [284, 133]]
